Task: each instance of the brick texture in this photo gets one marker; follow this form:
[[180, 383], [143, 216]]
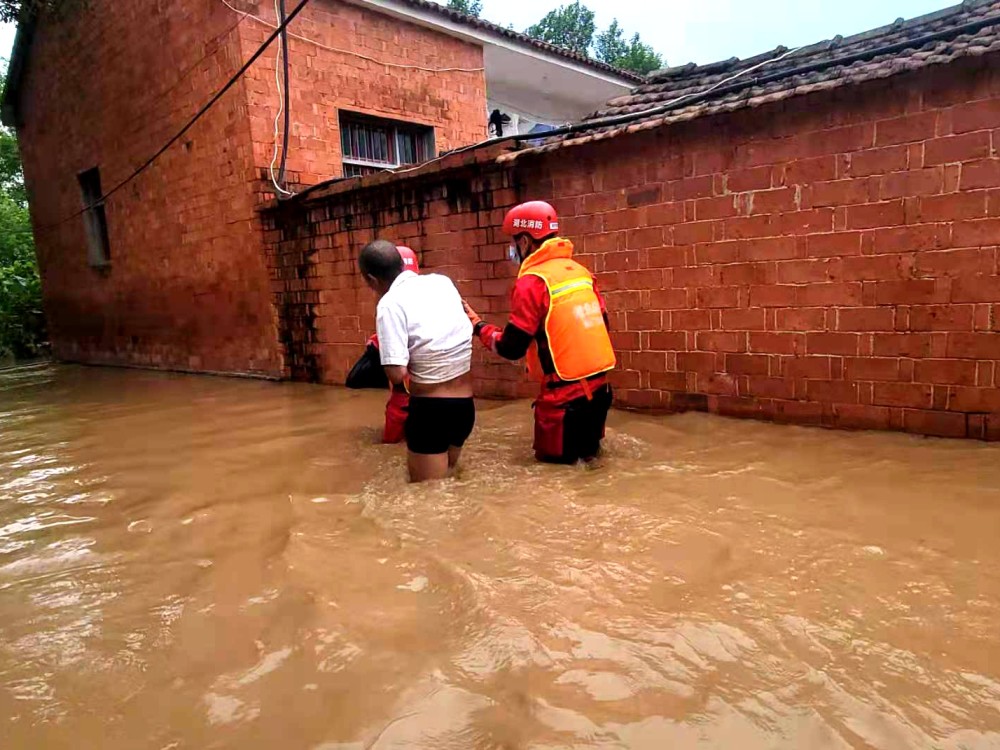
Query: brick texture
[[840, 271], [325, 83], [188, 286]]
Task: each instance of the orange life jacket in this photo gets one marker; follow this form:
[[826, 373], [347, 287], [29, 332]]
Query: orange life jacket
[[578, 339]]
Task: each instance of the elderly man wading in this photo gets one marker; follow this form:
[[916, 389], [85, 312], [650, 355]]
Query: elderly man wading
[[425, 340], [368, 373], [559, 321]]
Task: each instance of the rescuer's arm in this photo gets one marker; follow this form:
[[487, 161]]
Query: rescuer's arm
[[510, 343], [604, 307], [529, 304]]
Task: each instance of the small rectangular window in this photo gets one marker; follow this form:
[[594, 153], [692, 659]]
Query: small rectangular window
[[95, 219], [372, 144]]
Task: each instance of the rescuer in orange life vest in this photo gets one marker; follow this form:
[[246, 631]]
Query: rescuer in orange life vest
[[559, 321], [368, 372]]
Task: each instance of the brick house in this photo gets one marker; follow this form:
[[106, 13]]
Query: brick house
[[809, 236], [171, 272]]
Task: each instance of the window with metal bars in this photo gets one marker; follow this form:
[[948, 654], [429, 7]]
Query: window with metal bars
[[371, 144]]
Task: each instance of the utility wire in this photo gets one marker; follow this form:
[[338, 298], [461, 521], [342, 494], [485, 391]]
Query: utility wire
[[352, 53], [187, 71], [282, 91], [723, 87], [600, 122], [201, 112], [288, 100]]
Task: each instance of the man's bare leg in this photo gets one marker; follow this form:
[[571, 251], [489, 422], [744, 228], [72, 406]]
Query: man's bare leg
[[426, 468]]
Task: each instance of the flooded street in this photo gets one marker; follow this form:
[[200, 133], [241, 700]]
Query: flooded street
[[195, 562]]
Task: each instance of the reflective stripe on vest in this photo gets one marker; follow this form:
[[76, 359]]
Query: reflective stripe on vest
[[578, 339]]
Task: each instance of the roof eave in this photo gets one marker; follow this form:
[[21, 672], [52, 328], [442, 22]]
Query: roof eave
[[476, 27]]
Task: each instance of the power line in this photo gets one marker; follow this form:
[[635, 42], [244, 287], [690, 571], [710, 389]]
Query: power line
[[353, 53], [214, 49], [201, 112], [288, 95], [283, 105]]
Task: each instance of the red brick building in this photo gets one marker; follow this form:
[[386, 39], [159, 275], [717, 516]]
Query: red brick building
[[807, 236], [171, 272]]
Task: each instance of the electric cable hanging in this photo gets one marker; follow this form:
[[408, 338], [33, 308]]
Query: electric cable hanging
[[288, 99], [198, 115], [725, 86], [352, 53], [603, 122], [849, 59], [283, 104]]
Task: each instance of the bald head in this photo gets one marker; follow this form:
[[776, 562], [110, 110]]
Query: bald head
[[381, 261]]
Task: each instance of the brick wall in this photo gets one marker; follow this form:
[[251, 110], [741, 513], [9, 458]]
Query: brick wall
[[449, 217], [188, 286], [326, 82], [831, 260]]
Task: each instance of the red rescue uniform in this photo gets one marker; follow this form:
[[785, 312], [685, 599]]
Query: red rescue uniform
[[558, 320]]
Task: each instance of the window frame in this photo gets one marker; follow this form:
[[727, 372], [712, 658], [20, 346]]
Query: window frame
[[95, 218], [399, 129]]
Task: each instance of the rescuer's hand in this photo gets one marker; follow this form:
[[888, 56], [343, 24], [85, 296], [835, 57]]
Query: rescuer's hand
[[473, 315]]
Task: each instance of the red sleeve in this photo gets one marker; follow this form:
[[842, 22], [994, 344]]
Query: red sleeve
[[600, 298], [529, 304]]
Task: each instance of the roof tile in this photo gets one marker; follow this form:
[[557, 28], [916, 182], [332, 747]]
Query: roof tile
[[966, 30]]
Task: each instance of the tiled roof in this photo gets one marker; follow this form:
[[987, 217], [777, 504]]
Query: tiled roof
[[492, 28], [966, 30]]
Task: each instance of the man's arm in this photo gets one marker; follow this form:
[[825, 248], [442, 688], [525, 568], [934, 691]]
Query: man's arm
[[397, 375], [394, 342]]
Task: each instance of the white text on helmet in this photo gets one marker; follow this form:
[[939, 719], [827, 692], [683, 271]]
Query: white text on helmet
[[530, 224]]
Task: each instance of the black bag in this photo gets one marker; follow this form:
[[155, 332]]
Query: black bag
[[367, 371]]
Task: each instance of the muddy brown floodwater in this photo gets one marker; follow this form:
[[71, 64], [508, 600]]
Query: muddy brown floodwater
[[204, 563]]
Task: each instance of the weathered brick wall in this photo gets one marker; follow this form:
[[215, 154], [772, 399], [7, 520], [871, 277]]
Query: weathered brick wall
[[449, 218], [829, 261], [832, 260], [187, 287], [325, 81]]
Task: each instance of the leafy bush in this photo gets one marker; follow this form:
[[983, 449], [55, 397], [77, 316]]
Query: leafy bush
[[22, 323]]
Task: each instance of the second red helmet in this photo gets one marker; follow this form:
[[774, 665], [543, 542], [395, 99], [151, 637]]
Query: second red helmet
[[409, 259], [536, 218]]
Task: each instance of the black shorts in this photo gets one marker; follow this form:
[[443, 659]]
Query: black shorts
[[436, 424]]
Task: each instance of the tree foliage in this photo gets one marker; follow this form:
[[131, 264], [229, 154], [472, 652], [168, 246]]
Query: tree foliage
[[572, 26], [12, 11], [22, 324], [611, 47], [469, 7]]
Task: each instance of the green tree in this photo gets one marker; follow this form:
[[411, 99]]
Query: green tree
[[22, 324], [612, 47], [469, 7], [13, 11], [570, 26]]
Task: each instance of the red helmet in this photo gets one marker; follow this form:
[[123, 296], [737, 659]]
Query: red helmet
[[409, 259], [536, 218]]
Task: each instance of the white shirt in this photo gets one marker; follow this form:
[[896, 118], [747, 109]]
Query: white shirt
[[422, 325]]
